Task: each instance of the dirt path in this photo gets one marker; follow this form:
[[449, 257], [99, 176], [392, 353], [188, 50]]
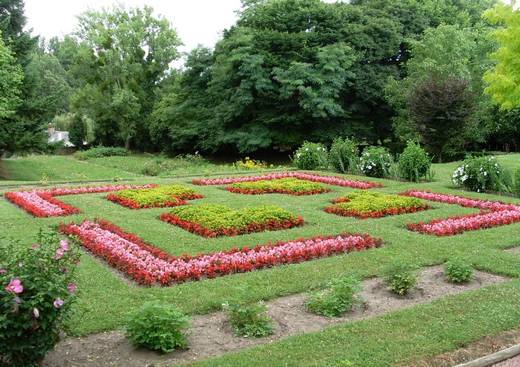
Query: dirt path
[[211, 336]]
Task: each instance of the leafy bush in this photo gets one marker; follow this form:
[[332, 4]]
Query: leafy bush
[[339, 298], [375, 162], [516, 182], [479, 174], [458, 271], [414, 163], [343, 155], [157, 327], [400, 278], [36, 291], [101, 151], [311, 156], [249, 320]]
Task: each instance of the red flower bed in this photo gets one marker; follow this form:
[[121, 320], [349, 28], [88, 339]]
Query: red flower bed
[[374, 214], [272, 225], [330, 180], [41, 203], [493, 214], [148, 265], [238, 190]]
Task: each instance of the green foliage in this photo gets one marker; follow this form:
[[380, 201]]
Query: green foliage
[[516, 182], [479, 174], [249, 320], [216, 217], [502, 79], [458, 271], [100, 151], [157, 327], [290, 184], [310, 156], [440, 108], [400, 278], [121, 58], [338, 298], [343, 155], [375, 162], [367, 202], [414, 163], [32, 315]]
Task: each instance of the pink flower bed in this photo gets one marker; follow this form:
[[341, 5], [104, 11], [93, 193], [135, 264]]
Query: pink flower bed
[[149, 265], [493, 214], [329, 180], [41, 203]]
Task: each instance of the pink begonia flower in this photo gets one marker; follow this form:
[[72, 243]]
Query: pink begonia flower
[[58, 302], [71, 288], [36, 313], [64, 245], [59, 254], [15, 286]]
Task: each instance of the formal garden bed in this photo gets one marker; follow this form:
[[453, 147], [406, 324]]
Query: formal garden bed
[[364, 204], [155, 197], [291, 186], [212, 220]]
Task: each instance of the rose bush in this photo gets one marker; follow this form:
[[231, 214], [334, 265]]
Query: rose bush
[[36, 290]]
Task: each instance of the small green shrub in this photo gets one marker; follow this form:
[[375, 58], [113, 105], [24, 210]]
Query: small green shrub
[[249, 320], [36, 291], [400, 278], [414, 163], [458, 271], [479, 174], [337, 299], [99, 152], [343, 155], [157, 327], [375, 162], [153, 167], [311, 156], [516, 182]]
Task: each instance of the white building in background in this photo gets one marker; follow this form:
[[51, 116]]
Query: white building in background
[[56, 136]]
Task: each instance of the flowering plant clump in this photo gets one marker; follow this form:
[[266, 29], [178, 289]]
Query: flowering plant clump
[[291, 186], [250, 164], [493, 213], [156, 197], [211, 220], [329, 180], [364, 204], [36, 290], [148, 265], [400, 278], [458, 271], [343, 155], [478, 174], [41, 203], [338, 298], [311, 156], [375, 162]]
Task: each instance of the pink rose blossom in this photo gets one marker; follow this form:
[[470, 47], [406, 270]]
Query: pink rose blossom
[[35, 246], [3, 271], [15, 286], [59, 254], [58, 302], [64, 245], [71, 287]]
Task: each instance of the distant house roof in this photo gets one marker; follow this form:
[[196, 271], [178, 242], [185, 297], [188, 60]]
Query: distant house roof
[[57, 136]]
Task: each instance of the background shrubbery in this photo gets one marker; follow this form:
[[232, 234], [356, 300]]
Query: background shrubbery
[[311, 156], [99, 152]]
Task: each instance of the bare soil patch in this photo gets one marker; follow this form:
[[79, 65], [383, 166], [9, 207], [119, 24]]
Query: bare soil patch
[[514, 250], [210, 334]]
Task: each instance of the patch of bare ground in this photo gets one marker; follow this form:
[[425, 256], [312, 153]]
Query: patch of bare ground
[[210, 334], [514, 250]]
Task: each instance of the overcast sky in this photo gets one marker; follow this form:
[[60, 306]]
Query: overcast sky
[[196, 21]]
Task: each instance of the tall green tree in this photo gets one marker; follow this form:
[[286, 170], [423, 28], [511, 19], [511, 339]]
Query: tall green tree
[[504, 79], [11, 78], [121, 59]]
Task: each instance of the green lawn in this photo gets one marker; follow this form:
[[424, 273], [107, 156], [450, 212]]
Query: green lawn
[[105, 297]]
